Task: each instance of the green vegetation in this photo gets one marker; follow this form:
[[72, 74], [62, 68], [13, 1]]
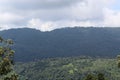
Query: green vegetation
[[61, 45], [31, 44], [70, 68], [6, 60], [118, 61]]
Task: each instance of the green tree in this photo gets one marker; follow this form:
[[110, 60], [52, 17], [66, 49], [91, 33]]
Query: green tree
[[118, 61], [101, 76], [90, 77], [6, 60]]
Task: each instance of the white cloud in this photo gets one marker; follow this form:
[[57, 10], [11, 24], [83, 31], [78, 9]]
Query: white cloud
[[40, 25], [51, 14], [9, 18], [111, 18], [50, 25], [10, 26]]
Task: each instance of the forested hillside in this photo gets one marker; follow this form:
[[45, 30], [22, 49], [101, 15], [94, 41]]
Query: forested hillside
[[70, 68], [31, 44]]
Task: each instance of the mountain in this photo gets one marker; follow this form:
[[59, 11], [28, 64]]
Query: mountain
[[31, 44]]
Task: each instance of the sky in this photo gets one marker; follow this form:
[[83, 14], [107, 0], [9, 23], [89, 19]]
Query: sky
[[47, 15]]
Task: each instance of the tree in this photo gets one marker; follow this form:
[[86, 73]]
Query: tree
[[101, 76], [118, 61], [90, 77], [6, 60]]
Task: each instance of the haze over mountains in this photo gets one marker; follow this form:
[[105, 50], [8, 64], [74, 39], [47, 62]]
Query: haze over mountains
[[31, 44]]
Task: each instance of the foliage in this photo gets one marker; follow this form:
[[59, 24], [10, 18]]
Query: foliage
[[33, 44], [6, 60], [101, 76], [70, 68], [97, 76], [90, 77], [118, 61]]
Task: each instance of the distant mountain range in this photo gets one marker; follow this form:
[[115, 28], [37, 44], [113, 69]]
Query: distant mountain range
[[31, 44]]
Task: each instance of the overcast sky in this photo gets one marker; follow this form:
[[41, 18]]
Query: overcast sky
[[47, 15]]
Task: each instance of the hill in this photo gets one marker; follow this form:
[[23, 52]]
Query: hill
[[31, 44], [69, 68]]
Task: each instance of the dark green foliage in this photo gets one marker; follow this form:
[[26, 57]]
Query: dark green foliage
[[33, 44], [118, 64], [90, 77], [97, 76], [6, 60], [101, 76], [70, 68], [118, 61]]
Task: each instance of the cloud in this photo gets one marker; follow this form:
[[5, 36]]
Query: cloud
[[111, 18], [9, 18], [50, 25], [40, 25], [38, 4], [47, 15], [10, 26]]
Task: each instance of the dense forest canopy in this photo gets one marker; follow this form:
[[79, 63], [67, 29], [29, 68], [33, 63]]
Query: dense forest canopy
[[31, 44], [70, 68], [62, 67]]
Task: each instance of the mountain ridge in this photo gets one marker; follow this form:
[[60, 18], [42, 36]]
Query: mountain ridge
[[31, 44]]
